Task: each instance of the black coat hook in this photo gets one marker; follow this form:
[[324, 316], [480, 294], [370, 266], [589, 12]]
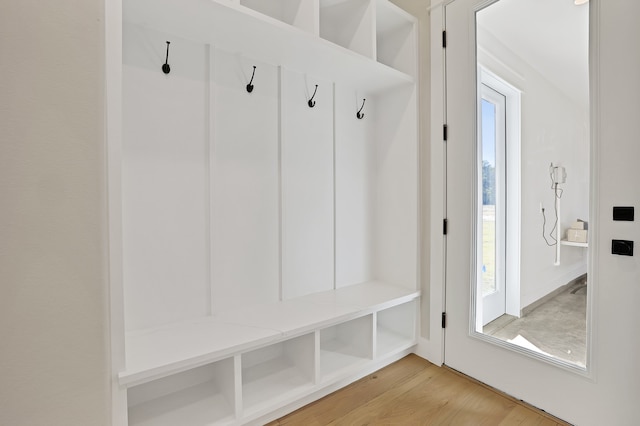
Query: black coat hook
[[165, 67], [250, 85], [360, 114], [311, 102]]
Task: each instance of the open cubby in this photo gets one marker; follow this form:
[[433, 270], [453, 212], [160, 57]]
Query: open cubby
[[350, 24], [299, 13], [395, 38], [272, 373], [395, 328], [345, 345], [199, 396]]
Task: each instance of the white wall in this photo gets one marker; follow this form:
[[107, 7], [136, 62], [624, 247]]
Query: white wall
[[53, 275], [554, 130]]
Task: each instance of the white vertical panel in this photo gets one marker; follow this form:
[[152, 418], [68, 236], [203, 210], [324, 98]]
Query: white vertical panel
[[355, 187], [245, 183], [397, 187], [164, 188], [307, 186]]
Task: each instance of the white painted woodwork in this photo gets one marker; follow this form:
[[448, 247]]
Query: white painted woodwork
[[245, 211], [164, 180], [271, 375], [350, 24], [157, 352], [219, 21], [307, 185], [396, 168], [264, 242], [355, 185]]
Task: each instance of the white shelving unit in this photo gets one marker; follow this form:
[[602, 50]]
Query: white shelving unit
[[263, 252], [220, 22], [243, 371]]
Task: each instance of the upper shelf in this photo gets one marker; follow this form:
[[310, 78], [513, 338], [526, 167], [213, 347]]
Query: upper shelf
[[573, 243], [237, 28], [161, 351]]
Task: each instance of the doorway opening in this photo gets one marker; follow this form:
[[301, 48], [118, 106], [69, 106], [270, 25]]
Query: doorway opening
[[498, 225]]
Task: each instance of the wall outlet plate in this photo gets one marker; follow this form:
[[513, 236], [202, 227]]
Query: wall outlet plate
[[623, 213], [622, 247]]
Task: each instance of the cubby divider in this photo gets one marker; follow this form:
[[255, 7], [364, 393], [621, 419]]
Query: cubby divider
[[275, 372], [395, 328], [345, 345]]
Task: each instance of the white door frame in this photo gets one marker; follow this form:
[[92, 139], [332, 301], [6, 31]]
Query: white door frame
[[513, 177], [493, 305]]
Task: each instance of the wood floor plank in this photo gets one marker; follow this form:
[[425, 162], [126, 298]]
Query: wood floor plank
[[412, 392], [522, 416], [339, 403], [477, 406], [398, 404]]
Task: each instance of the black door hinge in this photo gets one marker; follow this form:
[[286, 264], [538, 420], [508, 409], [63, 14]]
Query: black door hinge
[[444, 320], [444, 226], [444, 39], [444, 132]]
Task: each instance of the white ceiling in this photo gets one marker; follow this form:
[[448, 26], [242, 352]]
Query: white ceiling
[[551, 35]]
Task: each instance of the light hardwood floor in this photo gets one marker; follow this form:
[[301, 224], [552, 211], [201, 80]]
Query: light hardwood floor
[[413, 391]]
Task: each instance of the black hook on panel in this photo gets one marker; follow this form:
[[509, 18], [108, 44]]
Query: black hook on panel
[[311, 102], [165, 67], [360, 114], [250, 85]]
